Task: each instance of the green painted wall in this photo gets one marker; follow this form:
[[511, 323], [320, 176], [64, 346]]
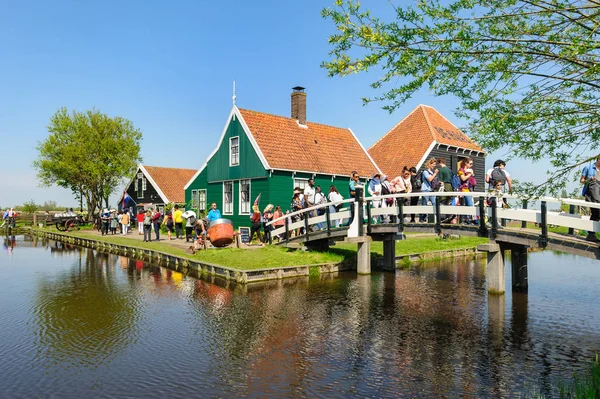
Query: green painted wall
[[276, 189], [250, 165]]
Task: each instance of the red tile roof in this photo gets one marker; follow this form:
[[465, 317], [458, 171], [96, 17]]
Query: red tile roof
[[171, 181], [313, 148], [407, 142]]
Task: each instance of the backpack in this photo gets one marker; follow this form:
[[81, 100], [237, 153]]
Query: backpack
[[455, 182], [418, 182], [435, 183], [384, 189], [496, 176]]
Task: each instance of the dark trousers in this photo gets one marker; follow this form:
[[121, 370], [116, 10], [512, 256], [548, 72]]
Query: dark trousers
[[255, 229], [147, 232], [592, 194], [157, 230], [267, 230], [104, 227], [413, 201], [178, 229], [188, 233]]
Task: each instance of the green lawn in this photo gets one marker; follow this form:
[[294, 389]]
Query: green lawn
[[422, 244]]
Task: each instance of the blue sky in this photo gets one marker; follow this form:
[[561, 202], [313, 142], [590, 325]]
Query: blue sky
[[169, 68]]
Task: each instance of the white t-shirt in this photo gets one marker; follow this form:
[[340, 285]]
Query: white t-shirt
[[309, 194]]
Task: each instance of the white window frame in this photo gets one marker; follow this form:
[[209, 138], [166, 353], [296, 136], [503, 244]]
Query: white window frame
[[225, 207], [240, 210], [201, 204], [233, 162], [140, 176], [298, 180]]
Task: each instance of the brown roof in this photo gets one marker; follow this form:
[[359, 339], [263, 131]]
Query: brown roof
[[170, 181], [313, 148], [407, 142]]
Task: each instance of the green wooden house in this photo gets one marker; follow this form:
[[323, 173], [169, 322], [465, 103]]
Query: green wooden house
[[265, 154]]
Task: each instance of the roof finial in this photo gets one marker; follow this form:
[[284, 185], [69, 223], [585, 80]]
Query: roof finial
[[233, 97]]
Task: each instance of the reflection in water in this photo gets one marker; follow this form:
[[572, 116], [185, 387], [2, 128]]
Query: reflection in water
[[86, 316], [106, 325]]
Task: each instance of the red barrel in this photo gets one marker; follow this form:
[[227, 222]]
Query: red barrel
[[220, 232]]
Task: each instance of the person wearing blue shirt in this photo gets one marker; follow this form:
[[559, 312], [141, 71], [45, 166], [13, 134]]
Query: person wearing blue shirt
[[428, 175], [590, 176], [214, 213]]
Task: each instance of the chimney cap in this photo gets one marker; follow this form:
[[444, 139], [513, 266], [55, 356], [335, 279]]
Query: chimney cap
[[298, 88]]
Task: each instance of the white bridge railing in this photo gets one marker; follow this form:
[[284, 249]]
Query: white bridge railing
[[321, 215]]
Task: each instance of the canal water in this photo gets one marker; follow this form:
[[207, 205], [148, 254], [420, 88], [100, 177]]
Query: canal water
[[76, 323]]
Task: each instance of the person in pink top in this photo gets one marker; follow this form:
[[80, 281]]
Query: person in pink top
[[401, 184]]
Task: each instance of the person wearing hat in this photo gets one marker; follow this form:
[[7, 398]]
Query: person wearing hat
[[374, 189]]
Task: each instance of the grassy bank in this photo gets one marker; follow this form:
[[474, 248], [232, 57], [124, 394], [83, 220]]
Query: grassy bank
[[422, 244], [584, 386], [276, 256]]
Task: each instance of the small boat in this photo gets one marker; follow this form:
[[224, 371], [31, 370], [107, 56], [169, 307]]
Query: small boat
[[220, 232]]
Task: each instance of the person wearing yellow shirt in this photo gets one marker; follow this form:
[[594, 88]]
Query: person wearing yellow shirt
[[178, 219]]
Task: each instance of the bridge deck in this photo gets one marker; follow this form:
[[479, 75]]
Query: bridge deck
[[518, 236]]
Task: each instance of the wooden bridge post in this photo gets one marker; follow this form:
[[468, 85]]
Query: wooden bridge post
[[438, 217], [389, 253], [400, 206], [494, 221], [363, 255], [494, 273], [483, 232], [518, 257], [524, 223], [571, 212], [544, 237]]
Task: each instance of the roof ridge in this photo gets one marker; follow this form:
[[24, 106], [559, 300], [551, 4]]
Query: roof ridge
[[422, 107], [291, 119], [166, 167]]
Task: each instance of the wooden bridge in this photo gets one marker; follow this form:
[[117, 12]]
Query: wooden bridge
[[317, 228]]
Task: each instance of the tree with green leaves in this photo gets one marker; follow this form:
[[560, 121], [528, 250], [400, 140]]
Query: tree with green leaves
[[526, 72], [89, 153]]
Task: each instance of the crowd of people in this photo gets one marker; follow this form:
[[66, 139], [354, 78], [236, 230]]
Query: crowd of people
[[435, 177]]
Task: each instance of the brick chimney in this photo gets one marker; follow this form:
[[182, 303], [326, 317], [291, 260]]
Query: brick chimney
[[299, 104]]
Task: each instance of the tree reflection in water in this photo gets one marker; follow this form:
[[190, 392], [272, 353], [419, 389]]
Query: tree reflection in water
[[85, 317]]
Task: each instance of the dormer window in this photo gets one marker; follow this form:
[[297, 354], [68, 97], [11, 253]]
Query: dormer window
[[140, 185], [234, 151]]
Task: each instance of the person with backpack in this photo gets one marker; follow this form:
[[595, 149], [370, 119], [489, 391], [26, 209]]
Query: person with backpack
[[429, 180], [498, 174], [147, 225], [416, 184], [157, 219], [590, 177]]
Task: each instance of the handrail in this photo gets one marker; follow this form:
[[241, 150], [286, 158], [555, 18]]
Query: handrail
[[312, 208], [485, 194]]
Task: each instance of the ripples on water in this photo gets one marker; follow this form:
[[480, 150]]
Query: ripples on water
[[76, 323]]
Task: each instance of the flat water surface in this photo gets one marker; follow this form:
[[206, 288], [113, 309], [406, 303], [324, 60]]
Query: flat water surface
[[76, 323]]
